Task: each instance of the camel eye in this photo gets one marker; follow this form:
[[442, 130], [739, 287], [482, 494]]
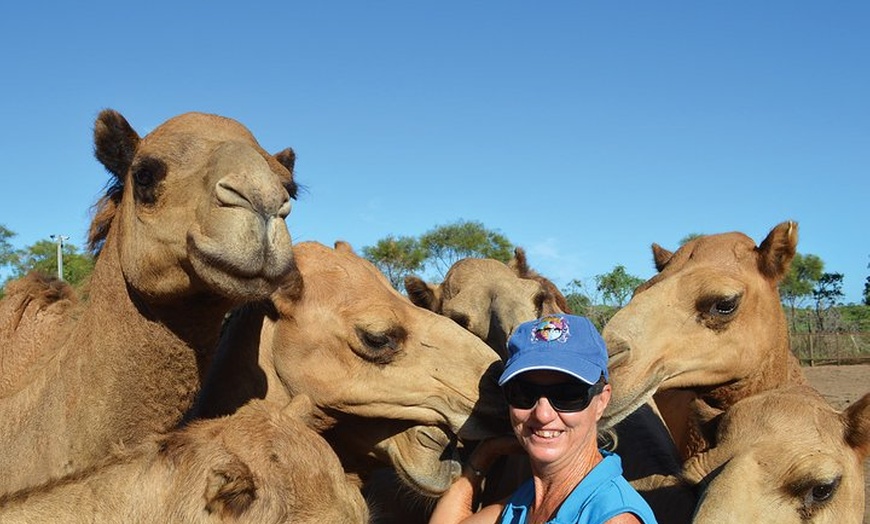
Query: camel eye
[[726, 306], [823, 492], [375, 340], [717, 311], [816, 493], [147, 173], [379, 347]]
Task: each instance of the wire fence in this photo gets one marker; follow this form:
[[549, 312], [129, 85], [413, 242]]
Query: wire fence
[[816, 349]]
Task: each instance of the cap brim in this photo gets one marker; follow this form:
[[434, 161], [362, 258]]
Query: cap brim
[[566, 362]]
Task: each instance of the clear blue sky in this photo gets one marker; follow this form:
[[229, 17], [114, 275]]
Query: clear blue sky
[[583, 131]]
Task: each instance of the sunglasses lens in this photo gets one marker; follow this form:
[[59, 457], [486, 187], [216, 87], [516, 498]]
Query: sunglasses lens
[[565, 397], [569, 397], [520, 394]]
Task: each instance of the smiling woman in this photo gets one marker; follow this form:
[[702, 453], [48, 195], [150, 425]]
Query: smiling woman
[[555, 382]]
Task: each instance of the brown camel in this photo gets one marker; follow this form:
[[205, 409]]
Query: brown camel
[[397, 385], [33, 306], [261, 464], [785, 456], [709, 325], [191, 226], [488, 297]]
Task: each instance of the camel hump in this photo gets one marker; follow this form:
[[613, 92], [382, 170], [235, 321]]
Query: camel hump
[[34, 308]]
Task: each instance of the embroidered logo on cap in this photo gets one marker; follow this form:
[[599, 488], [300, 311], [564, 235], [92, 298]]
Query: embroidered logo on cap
[[551, 329]]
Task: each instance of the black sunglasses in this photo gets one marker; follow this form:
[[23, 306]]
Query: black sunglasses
[[564, 397]]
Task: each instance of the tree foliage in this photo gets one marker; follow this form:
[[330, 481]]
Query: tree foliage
[[7, 252], [867, 289], [445, 245], [798, 283], [577, 298], [617, 286], [688, 238], [42, 256], [396, 257], [827, 291]]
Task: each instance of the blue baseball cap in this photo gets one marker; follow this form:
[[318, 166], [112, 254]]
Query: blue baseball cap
[[565, 343]]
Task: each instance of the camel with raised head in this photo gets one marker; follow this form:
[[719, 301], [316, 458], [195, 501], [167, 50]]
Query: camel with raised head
[[785, 456], [261, 464], [488, 297], [191, 225], [709, 325], [395, 384]]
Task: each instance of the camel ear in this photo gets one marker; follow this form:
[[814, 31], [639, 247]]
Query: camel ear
[[777, 250], [661, 256], [343, 247], [115, 142], [230, 489], [857, 418], [287, 158], [519, 264], [423, 294]]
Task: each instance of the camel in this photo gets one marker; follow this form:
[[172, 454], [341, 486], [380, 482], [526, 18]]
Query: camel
[[396, 385], [785, 456], [706, 331], [33, 305], [191, 225], [261, 464], [488, 297]]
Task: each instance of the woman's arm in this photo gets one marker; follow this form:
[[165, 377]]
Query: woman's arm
[[457, 504]]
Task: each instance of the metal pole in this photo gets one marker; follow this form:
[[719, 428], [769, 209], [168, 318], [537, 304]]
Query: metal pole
[[59, 239]]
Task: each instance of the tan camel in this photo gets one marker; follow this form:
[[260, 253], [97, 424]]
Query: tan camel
[[396, 384], [488, 297], [33, 306], [261, 464], [191, 225], [785, 456], [710, 324]]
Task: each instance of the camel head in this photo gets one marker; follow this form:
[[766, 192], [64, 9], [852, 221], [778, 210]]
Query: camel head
[[711, 321], [196, 206], [397, 384], [785, 456], [489, 298]]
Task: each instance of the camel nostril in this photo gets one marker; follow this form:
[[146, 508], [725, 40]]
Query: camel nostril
[[284, 210], [229, 196]]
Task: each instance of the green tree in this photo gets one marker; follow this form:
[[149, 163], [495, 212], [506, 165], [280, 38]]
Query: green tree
[[447, 244], [7, 252], [42, 256], [578, 300], [867, 289], [396, 258], [691, 236], [798, 283], [617, 286], [827, 291]]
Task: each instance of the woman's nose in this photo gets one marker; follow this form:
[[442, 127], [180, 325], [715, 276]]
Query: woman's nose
[[543, 410]]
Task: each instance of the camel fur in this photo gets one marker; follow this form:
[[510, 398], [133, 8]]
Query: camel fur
[[708, 329], [396, 385], [488, 297], [785, 456], [191, 225], [261, 464]]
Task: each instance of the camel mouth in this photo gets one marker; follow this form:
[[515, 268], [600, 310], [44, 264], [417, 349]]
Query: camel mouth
[[431, 463], [243, 262]]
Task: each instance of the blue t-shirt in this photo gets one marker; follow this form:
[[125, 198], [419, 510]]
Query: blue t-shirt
[[600, 496]]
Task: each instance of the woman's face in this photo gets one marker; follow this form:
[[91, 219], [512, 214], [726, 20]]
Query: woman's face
[[550, 436]]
